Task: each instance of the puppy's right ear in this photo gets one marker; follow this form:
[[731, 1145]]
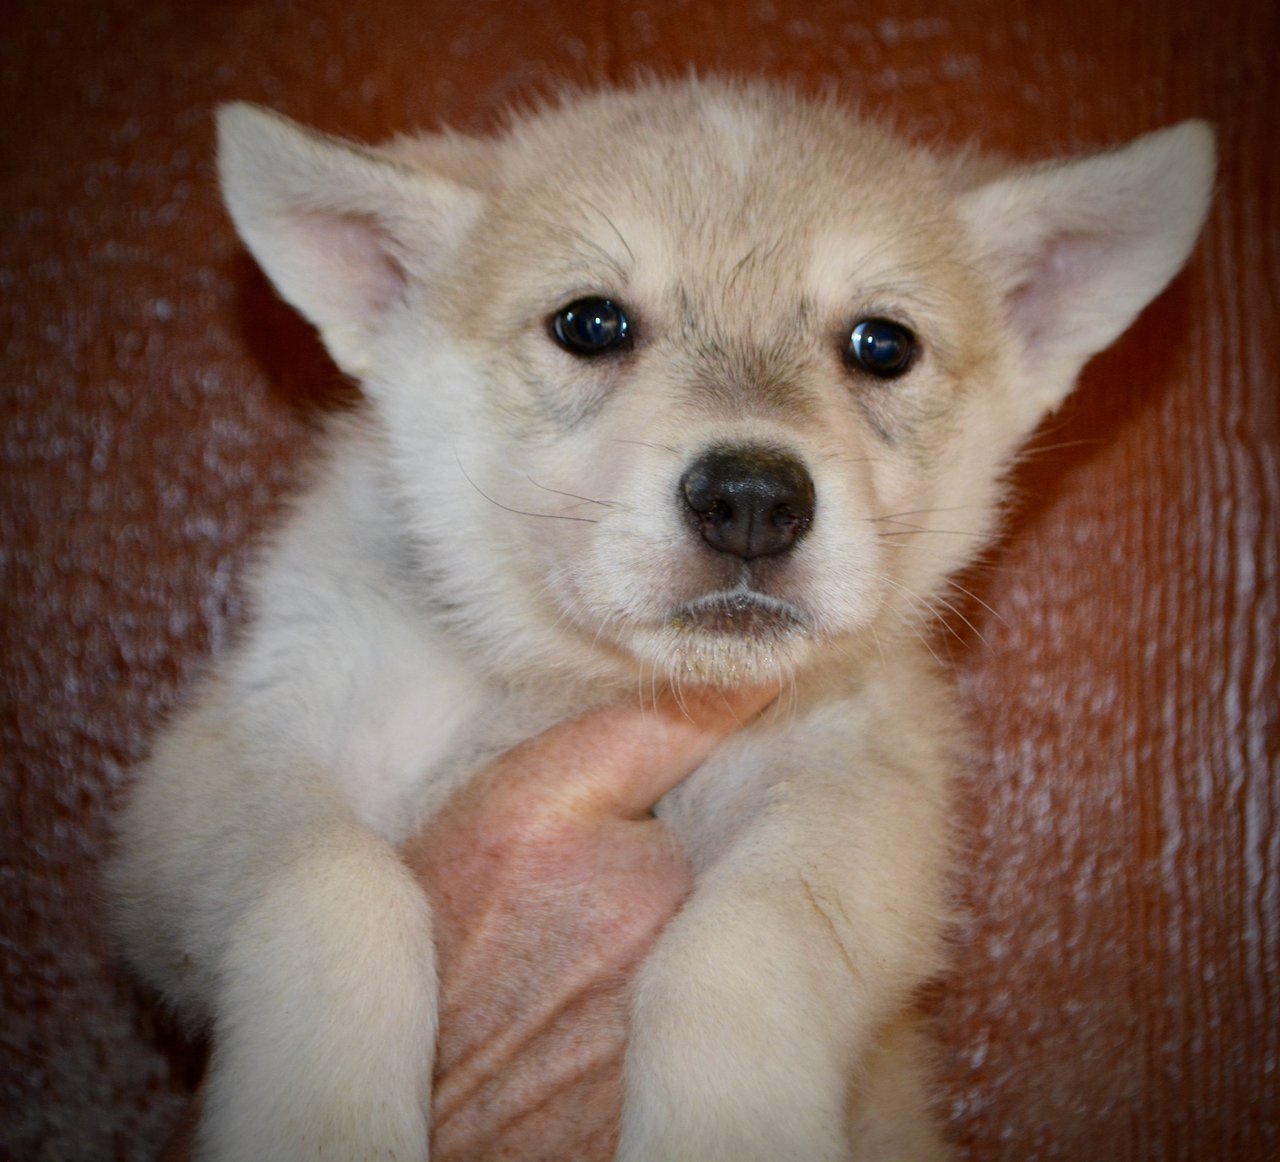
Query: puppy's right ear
[[341, 230]]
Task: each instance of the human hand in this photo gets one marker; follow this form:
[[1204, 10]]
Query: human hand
[[550, 881]]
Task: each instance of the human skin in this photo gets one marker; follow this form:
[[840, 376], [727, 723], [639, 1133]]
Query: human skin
[[550, 880]]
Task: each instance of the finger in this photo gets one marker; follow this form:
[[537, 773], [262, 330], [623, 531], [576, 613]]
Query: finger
[[620, 760]]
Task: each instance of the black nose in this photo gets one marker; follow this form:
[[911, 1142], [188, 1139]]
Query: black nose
[[749, 502]]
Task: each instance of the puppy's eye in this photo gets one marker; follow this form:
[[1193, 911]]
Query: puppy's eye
[[881, 348], [590, 326]]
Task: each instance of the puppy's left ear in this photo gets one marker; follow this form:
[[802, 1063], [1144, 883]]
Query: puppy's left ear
[[1076, 249]]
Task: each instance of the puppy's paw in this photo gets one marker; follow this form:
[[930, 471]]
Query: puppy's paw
[[732, 1065], [315, 1118]]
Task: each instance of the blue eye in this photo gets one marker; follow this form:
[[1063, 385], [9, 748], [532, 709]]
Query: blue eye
[[881, 348], [590, 326]]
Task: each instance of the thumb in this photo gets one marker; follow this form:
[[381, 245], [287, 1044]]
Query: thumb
[[620, 760]]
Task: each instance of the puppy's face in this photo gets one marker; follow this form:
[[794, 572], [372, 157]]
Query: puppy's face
[[699, 379], [723, 363]]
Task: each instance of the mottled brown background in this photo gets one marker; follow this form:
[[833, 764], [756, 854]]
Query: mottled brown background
[[1116, 992]]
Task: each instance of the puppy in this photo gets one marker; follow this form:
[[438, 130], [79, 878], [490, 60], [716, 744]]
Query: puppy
[[698, 383]]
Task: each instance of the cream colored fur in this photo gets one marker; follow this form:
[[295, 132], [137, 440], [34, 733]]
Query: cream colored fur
[[497, 541]]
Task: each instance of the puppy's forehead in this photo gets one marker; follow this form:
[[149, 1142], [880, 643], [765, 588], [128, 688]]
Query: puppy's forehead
[[719, 188]]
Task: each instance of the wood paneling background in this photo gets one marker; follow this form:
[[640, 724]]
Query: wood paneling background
[[1116, 993]]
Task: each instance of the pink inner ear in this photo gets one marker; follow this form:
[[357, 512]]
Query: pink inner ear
[[1056, 290], [353, 256]]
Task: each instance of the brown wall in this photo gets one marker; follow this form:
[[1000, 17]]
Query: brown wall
[[1116, 993]]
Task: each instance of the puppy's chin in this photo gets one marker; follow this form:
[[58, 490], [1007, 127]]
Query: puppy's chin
[[727, 639]]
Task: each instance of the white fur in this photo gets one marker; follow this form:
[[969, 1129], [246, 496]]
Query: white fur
[[498, 541]]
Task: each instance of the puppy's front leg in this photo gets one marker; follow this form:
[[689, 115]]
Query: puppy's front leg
[[767, 998], [325, 1020], [252, 896]]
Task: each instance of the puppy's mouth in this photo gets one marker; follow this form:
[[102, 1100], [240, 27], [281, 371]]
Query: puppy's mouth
[[729, 637], [741, 613]]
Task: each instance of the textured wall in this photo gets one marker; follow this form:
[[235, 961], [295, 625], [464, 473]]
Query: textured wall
[[1116, 996]]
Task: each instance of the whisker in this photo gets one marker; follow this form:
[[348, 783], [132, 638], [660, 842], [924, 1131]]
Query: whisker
[[517, 511], [1034, 450], [939, 600], [572, 495], [972, 596], [916, 604], [651, 444], [875, 637], [921, 512], [910, 529], [611, 224], [677, 690]]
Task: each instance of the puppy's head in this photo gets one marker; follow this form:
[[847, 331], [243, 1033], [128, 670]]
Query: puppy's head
[[702, 378]]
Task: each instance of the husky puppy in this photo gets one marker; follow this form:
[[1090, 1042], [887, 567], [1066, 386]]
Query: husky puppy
[[769, 364]]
